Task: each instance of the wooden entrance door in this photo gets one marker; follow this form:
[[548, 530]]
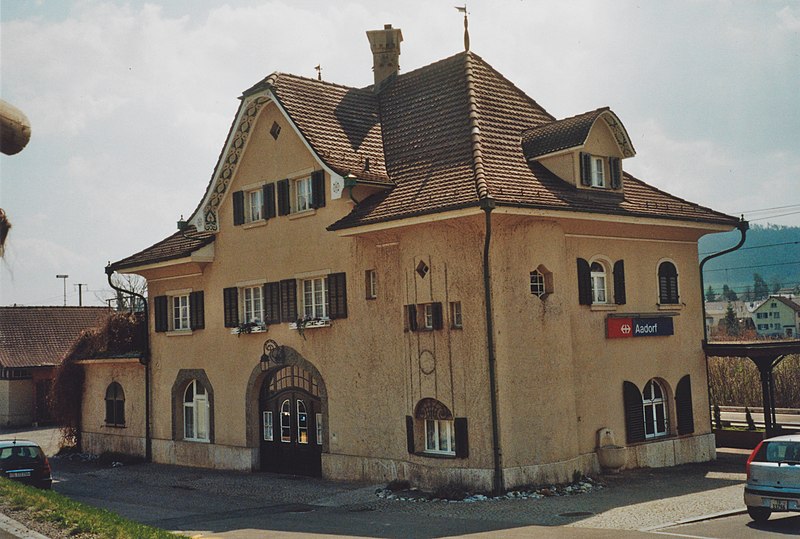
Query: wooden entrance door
[[291, 423]]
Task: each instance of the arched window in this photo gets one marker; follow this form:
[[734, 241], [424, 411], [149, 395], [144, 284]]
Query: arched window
[[195, 413], [286, 421], [115, 405], [667, 283], [654, 406], [440, 434], [598, 274]]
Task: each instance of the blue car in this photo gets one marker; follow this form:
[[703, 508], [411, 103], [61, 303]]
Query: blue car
[[773, 477], [24, 461]]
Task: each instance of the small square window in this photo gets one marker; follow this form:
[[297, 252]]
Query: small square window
[[275, 130], [455, 314], [537, 283], [371, 278], [422, 269]]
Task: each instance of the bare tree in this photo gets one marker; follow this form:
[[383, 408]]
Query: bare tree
[[121, 301]]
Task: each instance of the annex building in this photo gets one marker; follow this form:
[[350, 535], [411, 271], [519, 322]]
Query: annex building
[[430, 278]]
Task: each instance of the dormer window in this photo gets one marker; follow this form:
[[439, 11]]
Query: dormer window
[[598, 178], [593, 171]]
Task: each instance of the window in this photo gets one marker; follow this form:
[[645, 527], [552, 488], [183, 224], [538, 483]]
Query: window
[[195, 413], [424, 316], [301, 194], [667, 284], [598, 274], [253, 304], [537, 283], [302, 422], [115, 405], [268, 434], [315, 297], [455, 315], [439, 436], [180, 312], [655, 410], [427, 310], [371, 279], [318, 422], [777, 315], [255, 205], [286, 421], [598, 178], [442, 434]]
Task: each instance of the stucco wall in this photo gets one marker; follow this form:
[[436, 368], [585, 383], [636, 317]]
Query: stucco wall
[[16, 402]]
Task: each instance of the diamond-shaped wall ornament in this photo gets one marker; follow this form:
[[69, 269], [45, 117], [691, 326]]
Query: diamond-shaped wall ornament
[[422, 269]]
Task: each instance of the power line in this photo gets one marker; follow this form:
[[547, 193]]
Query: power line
[[771, 209], [758, 266], [758, 246], [774, 216]]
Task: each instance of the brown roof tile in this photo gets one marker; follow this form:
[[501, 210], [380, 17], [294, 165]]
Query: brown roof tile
[[41, 336], [178, 245], [559, 135]]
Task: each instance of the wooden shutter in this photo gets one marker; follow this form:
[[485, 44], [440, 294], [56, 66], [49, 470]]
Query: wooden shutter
[[619, 282], [411, 316], [288, 300], [584, 282], [230, 300], [283, 197], [410, 434], [318, 189], [238, 207], [634, 413], [667, 283], [160, 315], [438, 317], [462, 437], [272, 303], [586, 168], [197, 314], [683, 406], [269, 200], [615, 165], [337, 295]]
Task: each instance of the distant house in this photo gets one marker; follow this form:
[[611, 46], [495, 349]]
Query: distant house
[[777, 317], [717, 310], [33, 341]]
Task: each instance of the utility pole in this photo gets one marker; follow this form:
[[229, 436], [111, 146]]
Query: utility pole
[[80, 293], [64, 278]]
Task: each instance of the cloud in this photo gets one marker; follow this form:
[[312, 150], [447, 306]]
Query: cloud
[[789, 18]]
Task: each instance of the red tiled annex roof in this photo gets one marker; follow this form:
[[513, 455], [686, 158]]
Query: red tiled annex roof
[[179, 245], [41, 336]]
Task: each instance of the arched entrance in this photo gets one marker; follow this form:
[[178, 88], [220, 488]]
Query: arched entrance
[[291, 422]]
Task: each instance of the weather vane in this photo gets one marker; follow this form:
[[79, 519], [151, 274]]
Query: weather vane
[[319, 71], [463, 9]]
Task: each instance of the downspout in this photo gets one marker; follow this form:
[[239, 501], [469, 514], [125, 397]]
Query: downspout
[[742, 226], [487, 205], [144, 360]]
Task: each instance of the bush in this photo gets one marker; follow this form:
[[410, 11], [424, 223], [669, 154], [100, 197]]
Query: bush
[[737, 382]]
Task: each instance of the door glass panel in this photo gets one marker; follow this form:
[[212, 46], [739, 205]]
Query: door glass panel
[[286, 419], [302, 423], [318, 419], [268, 426]]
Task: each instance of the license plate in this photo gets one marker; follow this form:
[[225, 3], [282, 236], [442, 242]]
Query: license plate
[[778, 505], [14, 475]]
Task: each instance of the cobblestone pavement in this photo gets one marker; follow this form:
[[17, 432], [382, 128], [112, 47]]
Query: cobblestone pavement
[[217, 503]]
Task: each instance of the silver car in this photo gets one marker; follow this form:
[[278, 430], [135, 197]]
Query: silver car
[[773, 477]]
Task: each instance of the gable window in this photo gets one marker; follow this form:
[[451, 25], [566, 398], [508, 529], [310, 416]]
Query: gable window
[[115, 405], [301, 194], [371, 279], [179, 311], [195, 413], [315, 297], [598, 274], [655, 410], [598, 178], [667, 284], [255, 205], [455, 315]]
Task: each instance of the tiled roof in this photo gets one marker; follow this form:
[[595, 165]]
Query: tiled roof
[[559, 135], [179, 245], [41, 336], [786, 301]]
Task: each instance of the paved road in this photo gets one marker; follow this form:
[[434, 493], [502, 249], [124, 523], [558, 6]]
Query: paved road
[[740, 418], [738, 527]]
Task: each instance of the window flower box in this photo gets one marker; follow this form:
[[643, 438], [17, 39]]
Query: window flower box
[[307, 323], [249, 327]]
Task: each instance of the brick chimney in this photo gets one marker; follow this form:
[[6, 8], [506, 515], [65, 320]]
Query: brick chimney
[[385, 45]]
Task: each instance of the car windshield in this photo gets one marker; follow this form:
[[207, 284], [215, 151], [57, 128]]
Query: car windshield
[[779, 451], [15, 456]]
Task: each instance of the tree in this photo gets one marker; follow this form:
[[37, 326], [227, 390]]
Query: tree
[[711, 294], [776, 286], [760, 287], [731, 322], [728, 293], [122, 301], [748, 294]]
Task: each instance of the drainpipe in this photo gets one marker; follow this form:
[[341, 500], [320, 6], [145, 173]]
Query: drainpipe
[[144, 360], [487, 205]]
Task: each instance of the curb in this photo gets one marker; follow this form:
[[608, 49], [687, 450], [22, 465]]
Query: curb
[[16, 529], [692, 520]]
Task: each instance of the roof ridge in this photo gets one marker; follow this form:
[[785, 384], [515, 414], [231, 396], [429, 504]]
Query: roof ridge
[[481, 186]]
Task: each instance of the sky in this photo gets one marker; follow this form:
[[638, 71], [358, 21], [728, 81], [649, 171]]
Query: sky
[[130, 102]]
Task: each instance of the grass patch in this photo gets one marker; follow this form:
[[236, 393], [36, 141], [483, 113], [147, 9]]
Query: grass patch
[[74, 517]]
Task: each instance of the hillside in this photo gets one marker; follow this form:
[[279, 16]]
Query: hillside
[[771, 251]]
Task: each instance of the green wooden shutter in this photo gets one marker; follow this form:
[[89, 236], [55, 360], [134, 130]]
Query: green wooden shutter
[[615, 165], [667, 283], [269, 200], [283, 197], [411, 314], [634, 413], [462, 437], [197, 314], [317, 189], [238, 207], [288, 300], [337, 295], [586, 168], [410, 434], [584, 282], [438, 316], [619, 282], [160, 314], [272, 303], [683, 406], [230, 300]]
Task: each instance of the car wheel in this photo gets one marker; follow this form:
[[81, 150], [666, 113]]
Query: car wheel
[[759, 514]]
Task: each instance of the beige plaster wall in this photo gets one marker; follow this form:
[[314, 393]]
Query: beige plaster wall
[[16, 402]]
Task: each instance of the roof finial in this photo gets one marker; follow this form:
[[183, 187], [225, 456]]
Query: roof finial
[[319, 71], [463, 9]]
